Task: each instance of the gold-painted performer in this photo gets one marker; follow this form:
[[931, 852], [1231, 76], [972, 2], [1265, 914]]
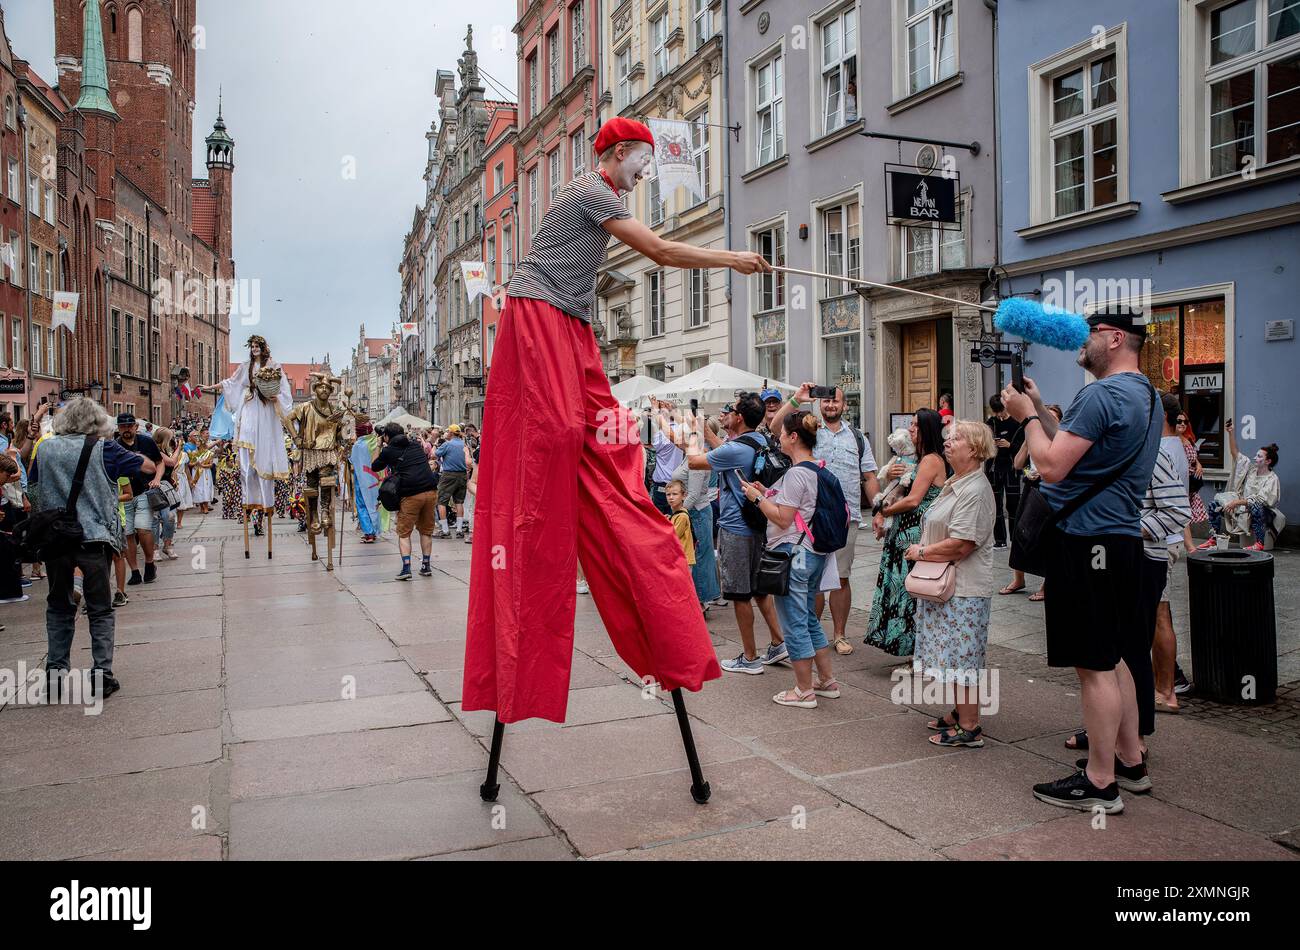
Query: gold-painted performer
[[319, 429]]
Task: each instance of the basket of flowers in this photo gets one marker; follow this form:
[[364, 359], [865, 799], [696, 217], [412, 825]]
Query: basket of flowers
[[267, 381]]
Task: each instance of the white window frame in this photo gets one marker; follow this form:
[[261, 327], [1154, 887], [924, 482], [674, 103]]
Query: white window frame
[[49, 204], [491, 255], [1084, 125], [659, 65], [697, 298], [838, 70], [534, 209], [578, 152], [17, 339], [700, 132], [769, 108], [850, 259], [939, 240], [656, 204], [701, 23], [904, 21], [553, 61], [1042, 130], [38, 345], [655, 310], [622, 77], [507, 253], [555, 172], [758, 286], [14, 178], [577, 37], [498, 178], [34, 193], [534, 82]]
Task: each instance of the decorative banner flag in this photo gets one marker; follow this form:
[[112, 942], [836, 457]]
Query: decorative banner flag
[[410, 329], [476, 280], [7, 257], [674, 163], [65, 310]]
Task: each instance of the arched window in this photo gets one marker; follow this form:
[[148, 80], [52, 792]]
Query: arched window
[[134, 35]]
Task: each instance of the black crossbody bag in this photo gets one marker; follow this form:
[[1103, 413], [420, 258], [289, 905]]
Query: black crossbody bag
[[1034, 539], [56, 532]]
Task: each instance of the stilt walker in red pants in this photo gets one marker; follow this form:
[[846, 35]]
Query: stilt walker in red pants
[[561, 476]]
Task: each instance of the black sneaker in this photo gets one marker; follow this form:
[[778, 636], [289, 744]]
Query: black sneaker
[[1131, 778], [1076, 791], [998, 545], [120, 600], [150, 573], [109, 683], [426, 570], [135, 579], [1181, 683]]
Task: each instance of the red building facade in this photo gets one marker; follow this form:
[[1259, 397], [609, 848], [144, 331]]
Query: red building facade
[[501, 230]]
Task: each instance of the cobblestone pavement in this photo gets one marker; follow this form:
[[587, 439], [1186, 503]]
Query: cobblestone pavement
[[272, 710]]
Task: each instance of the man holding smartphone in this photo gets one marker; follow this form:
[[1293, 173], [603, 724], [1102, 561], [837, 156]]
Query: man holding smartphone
[[848, 455]]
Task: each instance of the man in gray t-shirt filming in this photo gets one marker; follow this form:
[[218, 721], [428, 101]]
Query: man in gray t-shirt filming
[[1109, 437]]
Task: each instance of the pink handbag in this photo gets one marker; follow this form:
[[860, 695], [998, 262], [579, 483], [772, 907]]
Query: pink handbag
[[935, 581]]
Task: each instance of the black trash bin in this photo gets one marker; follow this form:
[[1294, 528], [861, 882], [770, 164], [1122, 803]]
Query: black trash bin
[[1234, 630]]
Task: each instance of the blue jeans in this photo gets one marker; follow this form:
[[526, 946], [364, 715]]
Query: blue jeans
[[1261, 517], [705, 570], [164, 525], [803, 632]]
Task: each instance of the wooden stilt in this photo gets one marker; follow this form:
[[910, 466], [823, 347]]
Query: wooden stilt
[[247, 513], [269, 523]]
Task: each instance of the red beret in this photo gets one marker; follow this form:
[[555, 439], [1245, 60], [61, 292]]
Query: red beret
[[619, 129]]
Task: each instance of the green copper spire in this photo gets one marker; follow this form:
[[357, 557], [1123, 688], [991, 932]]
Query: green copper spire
[[94, 68]]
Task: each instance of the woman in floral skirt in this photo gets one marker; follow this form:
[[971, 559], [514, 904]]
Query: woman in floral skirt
[[892, 626]]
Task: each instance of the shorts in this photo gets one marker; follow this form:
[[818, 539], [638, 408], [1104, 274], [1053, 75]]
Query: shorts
[[844, 556], [738, 557], [139, 516], [451, 488], [1169, 574], [417, 512], [1093, 604]]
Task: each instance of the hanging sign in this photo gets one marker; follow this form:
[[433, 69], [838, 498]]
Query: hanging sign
[[920, 199]]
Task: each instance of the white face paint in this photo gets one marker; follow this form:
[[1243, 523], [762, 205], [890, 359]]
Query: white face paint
[[634, 167], [1261, 459]]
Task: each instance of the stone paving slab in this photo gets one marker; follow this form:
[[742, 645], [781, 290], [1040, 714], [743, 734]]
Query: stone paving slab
[[280, 686], [199, 848], [586, 706], [409, 819], [344, 715], [96, 759], [124, 717], [280, 767], [269, 658], [534, 849]]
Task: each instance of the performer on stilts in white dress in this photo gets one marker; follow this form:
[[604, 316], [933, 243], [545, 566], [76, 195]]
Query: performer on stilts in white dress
[[259, 397]]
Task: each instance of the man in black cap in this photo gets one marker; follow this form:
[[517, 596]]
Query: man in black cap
[[1107, 443], [139, 516]]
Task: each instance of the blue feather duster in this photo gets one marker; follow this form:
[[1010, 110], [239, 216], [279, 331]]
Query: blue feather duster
[[1030, 320]]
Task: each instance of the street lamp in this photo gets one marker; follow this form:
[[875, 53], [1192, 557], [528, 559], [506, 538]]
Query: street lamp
[[364, 403], [432, 378], [96, 390]]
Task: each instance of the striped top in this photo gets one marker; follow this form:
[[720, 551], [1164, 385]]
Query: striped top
[[1165, 508], [569, 247]]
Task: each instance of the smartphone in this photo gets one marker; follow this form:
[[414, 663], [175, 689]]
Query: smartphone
[[1018, 371], [695, 407], [822, 392], [647, 429]]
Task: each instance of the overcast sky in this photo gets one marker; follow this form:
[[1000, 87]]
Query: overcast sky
[[310, 84]]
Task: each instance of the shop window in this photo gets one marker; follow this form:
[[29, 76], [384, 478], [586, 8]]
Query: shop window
[[1185, 354]]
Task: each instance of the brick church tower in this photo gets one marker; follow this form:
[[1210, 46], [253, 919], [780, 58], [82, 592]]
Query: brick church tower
[[147, 44], [221, 171]]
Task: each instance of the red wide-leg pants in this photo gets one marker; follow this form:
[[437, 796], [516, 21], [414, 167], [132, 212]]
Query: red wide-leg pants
[[561, 477]]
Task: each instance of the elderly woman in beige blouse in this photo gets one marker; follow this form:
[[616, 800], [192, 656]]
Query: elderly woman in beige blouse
[[951, 637]]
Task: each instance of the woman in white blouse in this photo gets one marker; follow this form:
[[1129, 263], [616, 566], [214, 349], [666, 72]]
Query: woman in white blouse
[[951, 637]]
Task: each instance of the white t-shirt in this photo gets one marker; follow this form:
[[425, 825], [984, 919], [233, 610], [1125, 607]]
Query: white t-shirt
[[796, 489], [1172, 445]]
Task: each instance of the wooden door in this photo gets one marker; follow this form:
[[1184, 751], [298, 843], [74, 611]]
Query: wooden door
[[920, 366]]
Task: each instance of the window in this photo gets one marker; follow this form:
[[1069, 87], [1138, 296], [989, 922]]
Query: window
[[1253, 84], [622, 79], [134, 43], [49, 353], [654, 304], [554, 161], [930, 38], [48, 275], [841, 245], [656, 371], [769, 288], [700, 149], [507, 254], [696, 362], [655, 203], [38, 347], [17, 326], [12, 181], [697, 299], [1185, 354], [1084, 137], [16, 269], [117, 341], [769, 105], [155, 339], [578, 148], [659, 46], [499, 178], [701, 22], [10, 113], [140, 276], [839, 70], [553, 62], [928, 248], [128, 364], [34, 268], [492, 259], [33, 194], [532, 85], [49, 204], [577, 36], [534, 217], [4, 359]]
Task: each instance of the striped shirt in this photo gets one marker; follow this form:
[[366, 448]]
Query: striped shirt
[[569, 247], [1165, 509]]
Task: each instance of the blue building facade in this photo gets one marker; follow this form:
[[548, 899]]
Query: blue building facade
[[1150, 152]]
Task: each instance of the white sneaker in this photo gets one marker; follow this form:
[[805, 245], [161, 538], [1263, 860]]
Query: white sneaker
[[583, 588]]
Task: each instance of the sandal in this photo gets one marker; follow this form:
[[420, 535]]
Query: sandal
[[842, 646], [942, 724], [1011, 590], [1037, 597], [830, 690], [1163, 707], [972, 739], [792, 697], [1080, 740]]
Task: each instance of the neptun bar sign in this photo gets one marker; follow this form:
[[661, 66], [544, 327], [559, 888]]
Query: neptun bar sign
[[922, 199]]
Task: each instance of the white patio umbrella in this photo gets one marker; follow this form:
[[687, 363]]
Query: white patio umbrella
[[405, 420], [715, 383], [631, 390]]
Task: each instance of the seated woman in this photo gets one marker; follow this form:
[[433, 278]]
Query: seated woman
[[1252, 495], [951, 637]]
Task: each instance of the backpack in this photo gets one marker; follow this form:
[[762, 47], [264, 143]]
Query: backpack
[[770, 464], [829, 530]]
